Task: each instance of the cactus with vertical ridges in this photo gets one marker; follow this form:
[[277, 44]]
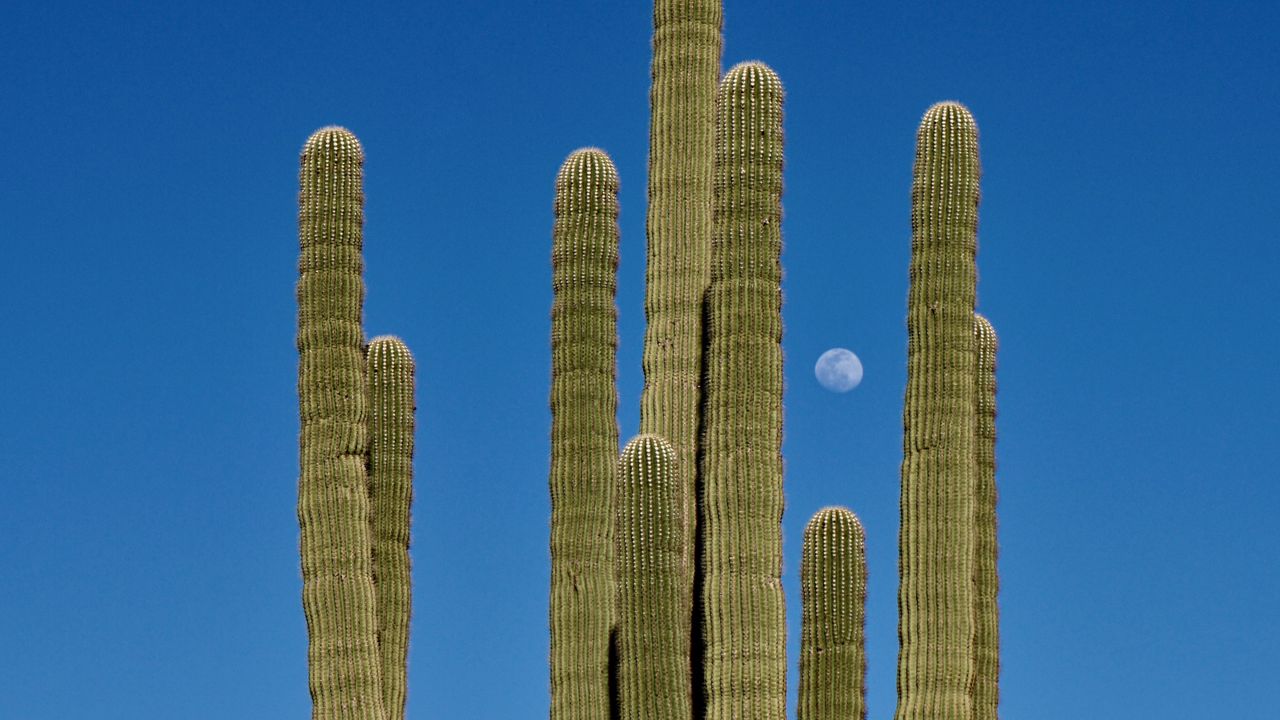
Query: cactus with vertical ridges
[[338, 591], [936, 542], [686, 67], [584, 433], [654, 597], [743, 614], [986, 580], [833, 595], [390, 370]]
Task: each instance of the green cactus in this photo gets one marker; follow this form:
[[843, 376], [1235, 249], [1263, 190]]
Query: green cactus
[[986, 582], [936, 539], [743, 618], [391, 425], [584, 434], [654, 597], [686, 68], [715, 647], [833, 588], [356, 425]]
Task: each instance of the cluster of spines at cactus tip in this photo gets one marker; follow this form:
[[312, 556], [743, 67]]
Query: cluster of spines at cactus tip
[[584, 434], [743, 618]]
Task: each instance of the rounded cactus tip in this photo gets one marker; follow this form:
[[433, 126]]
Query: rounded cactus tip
[[949, 112], [389, 346], [754, 74], [652, 446], [982, 325], [586, 164], [833, 515], [334, 138]]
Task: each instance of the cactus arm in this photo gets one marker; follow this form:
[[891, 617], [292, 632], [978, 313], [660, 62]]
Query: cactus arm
[[338, 594], [743, 608], [584, 434], [654, 595], [391, 425], [986, 686], [935, 597], [833, 590]]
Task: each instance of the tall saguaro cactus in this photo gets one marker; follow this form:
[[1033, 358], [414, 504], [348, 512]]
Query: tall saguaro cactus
[[686, 68], [357, 424], [584, 434], [936, 541], [743, 614]]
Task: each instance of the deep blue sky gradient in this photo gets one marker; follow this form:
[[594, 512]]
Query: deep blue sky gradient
[[1128, 234]]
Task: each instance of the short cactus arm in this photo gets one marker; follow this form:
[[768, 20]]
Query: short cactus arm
[[584, 433], [742, 606], [936, 542], [654, 595], [391, 424], [833, 593], [338, 595], [986, 580]]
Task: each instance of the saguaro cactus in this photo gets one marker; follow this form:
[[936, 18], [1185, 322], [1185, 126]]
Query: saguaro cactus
[[354, 536], [833, 586], [936, 540], [584, 434], [743, 614]]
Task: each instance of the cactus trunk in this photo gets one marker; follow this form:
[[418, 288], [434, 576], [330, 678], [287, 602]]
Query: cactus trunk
[[686, 68], [936, 543], [338, 594], [743, 614], [584, 434]]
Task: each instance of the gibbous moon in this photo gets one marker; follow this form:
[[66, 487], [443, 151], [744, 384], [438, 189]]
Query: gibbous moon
[[838, 370]]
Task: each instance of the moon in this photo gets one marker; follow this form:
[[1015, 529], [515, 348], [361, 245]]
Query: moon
[[838, 370]]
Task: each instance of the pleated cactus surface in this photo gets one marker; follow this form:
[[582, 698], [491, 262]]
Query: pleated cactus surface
[[833, 589], [743, 615], [654, 596], [584, 434], [936, 540], [986, 579]]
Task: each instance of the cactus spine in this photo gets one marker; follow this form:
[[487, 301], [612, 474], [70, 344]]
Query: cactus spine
[[936, 542], [354, 536], [740, 510], [584, 434], [833, 587], [986, 582], [654, 598]]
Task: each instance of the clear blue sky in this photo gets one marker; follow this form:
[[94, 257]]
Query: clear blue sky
[[1129, 237]]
